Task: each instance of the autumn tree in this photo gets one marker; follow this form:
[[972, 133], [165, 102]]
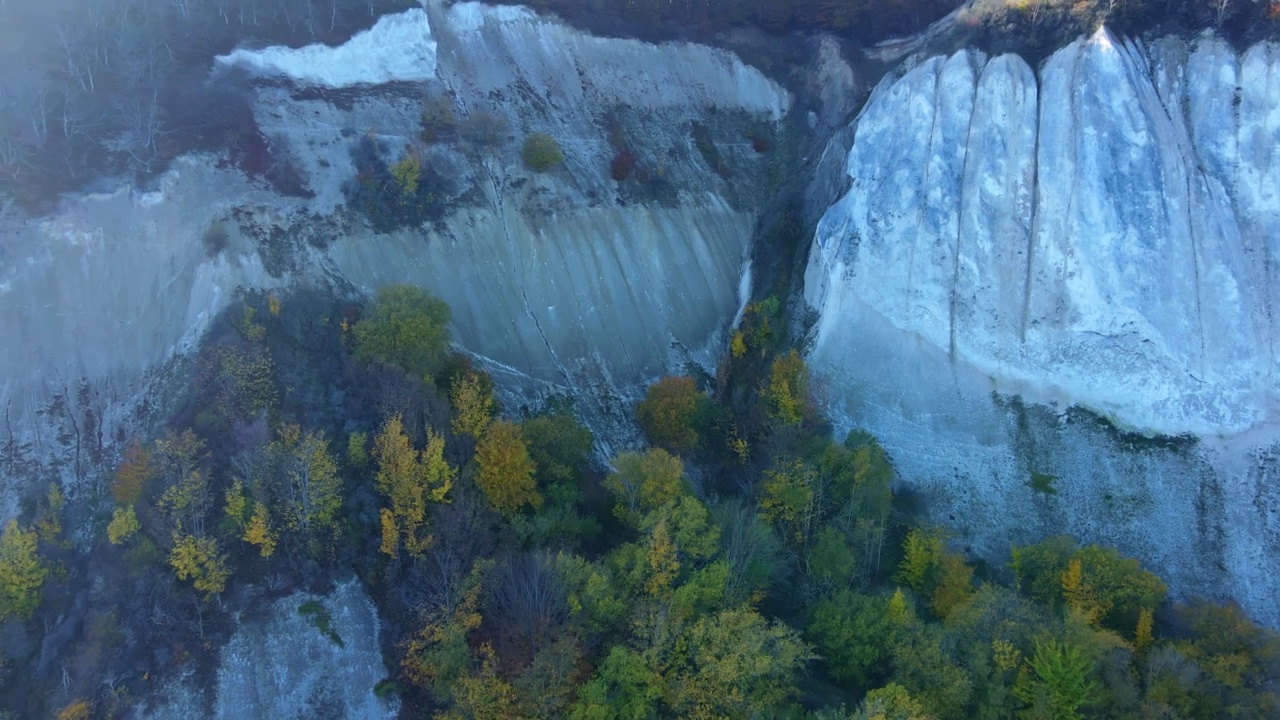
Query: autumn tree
[[200, 560], [124, 525], [471, 395], [935, 572], [891, 702], [310, 485], [786, 393], [22, 573], [644, 482], [505, 472], [410, 480], [186, 499], [789, 499], [733, 664], [135, 471], [541, 152], [407, 328], [1110, 589], [668, 414], [408, 171]]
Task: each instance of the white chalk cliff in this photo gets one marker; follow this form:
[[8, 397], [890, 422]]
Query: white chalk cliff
[[1105, 234], [558, 281]]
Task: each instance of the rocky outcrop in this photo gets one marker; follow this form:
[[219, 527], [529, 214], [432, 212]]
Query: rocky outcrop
[[1102, 236], [287, 664]]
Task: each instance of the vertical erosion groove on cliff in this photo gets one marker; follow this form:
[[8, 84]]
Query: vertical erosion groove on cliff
[[1104, 236]]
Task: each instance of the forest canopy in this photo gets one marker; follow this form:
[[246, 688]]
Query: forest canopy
[[753, 567]]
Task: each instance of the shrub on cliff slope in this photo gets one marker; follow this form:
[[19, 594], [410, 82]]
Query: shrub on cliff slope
[[542, 152]]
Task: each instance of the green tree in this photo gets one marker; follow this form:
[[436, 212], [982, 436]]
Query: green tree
[[1059, 685], [644, 482], [1237, 661], [924, 664], [408, 328], [559, 446], [624, 687], [851, 632], [668, 414], [1038, 568], [22, 573], [505, 473]]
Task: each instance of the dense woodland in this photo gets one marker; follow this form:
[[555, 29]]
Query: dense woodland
[[745, 564]]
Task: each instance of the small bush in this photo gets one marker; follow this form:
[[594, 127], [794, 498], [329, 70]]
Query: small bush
[[385, 688], [215, 239], [1043, 483], [438, 119], [485, 129], [321, 619], [542, 152], [624, 163]]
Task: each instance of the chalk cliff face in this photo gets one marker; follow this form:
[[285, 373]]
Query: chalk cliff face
[[1104, 235], [559, 281], [281, 665]]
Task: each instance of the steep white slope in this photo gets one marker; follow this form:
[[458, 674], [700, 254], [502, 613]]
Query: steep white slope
[[1103, 237]]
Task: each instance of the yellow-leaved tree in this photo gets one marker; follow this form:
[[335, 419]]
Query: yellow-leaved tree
[[505, 470], [124, 525], [22, 573], [410, 480], [198, 559], [786, 394], [472, 397]]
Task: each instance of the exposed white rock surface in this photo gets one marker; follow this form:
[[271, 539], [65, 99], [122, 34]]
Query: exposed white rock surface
[[1104, 236], [281, 666], [397, 48]]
